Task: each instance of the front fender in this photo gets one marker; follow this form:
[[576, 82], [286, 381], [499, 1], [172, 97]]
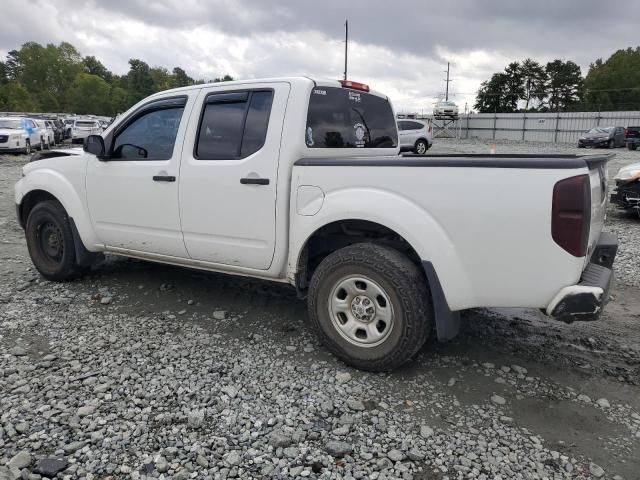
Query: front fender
[[73, 201], [425, 235]]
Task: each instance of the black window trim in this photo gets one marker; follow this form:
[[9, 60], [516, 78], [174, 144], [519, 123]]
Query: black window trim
[[231, 95], [166, 103]]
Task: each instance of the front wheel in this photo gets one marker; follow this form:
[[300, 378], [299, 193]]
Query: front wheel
[[50, 241], [421, 147], [611, 144], [632, 146], [27, 147], [370, 305]]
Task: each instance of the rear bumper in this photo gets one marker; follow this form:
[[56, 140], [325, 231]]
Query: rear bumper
[[586, 300]]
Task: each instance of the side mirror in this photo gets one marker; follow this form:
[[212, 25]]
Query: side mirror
[[94, 144]]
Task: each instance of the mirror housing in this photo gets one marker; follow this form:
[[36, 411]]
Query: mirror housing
[[94, 144]]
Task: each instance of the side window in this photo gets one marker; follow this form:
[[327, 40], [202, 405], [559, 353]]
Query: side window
[[149, 137], [233, 125], [255, 129], [402, 125]]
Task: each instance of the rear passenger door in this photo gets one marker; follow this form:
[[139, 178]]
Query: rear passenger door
[[229, 175]]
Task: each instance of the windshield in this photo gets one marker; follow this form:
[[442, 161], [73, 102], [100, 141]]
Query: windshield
[[344, 118], [448, 104], [85, 124], [14, 124], [601, 130]]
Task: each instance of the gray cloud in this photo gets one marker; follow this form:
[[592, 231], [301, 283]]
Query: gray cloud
[[401, 46]]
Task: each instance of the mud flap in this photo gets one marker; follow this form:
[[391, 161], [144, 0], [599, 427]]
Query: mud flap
[[447, 322], [84, 258]]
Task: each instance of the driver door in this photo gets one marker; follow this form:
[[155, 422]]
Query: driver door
[[133, 195]]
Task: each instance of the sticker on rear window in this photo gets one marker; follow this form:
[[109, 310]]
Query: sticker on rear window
[[320, 92], [359, 132], [354, 96], [310, 141]]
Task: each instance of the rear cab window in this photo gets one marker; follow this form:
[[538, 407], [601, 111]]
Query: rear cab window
[[345, 118]]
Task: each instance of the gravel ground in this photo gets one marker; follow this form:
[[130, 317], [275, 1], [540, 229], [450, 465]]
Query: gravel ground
[[148, 371]]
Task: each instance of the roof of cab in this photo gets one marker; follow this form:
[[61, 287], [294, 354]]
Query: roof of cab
[[306, 81]]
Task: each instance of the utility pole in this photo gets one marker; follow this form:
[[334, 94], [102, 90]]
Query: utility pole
[[447, 80], [346, 44]]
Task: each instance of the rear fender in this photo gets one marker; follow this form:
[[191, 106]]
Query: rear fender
[[403, 216]]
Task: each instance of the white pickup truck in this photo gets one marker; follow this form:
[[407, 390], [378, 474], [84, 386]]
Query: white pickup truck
[[298, 180]]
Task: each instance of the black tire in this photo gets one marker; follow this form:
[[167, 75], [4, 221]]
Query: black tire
[[406, 288], [421, 147], [27, 147], [50, 241], [632, 146], [611, 144]]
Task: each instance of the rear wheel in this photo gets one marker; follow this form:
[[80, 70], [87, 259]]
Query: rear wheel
[[370, 305], [27, 147], [421, 147], [632, 146], [50, 241], [611, 144]]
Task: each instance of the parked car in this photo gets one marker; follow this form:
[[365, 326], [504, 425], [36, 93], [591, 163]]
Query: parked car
[[603, 137], [297, 180], [445, 108], [47, 133], [19, 134], [627, 192], [81, 129], [415, 136], [68, 126], [58, 129], [632, 137]]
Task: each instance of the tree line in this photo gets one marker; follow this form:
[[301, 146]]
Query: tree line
[[57, 78], [559, 86]]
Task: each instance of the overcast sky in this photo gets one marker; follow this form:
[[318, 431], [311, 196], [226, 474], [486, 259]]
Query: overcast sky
[[400, 48]]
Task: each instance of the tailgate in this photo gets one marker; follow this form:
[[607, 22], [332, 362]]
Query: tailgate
[[599, 181]]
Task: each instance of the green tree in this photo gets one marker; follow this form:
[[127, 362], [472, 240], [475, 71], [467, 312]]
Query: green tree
[[95, 67], [614, 84], [139, 81], [492, 95], [180, 78], [514, 89], [534, 82], [89, 94], [12, 65], [565, 86], [226, 78], [162, 79], [118, 101], [3, 73], [14, 97]]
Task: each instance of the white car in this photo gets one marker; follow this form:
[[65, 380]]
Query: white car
[[298, 180], [18, 134], [445, 109], [415, 136], [47, 135], [81, 129]]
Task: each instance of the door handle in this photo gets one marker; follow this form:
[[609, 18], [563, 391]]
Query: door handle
[[254, 181], [164, 178]]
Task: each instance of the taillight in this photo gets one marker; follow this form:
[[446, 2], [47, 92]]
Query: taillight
[[626, 132], [354, 85], [429, 130], [571, 214]]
